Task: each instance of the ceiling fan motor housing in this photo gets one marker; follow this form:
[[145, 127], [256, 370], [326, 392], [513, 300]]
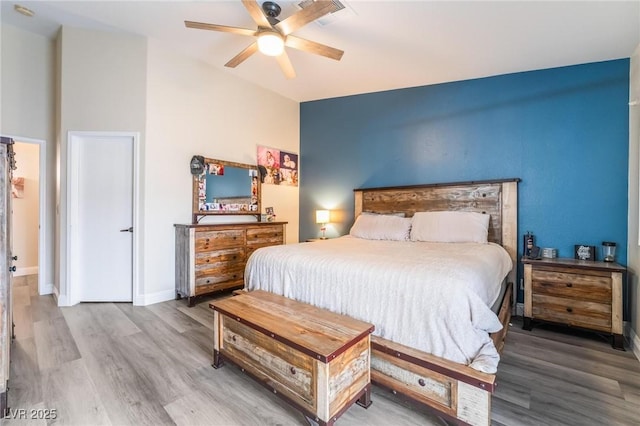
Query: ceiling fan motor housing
[[272, 11]]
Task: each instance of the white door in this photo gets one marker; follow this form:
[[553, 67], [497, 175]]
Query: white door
[[104, 222]]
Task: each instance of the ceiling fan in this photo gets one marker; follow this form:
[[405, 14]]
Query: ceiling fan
[[273, 35]]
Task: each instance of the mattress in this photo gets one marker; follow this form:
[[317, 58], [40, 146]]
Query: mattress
[[435, 297]]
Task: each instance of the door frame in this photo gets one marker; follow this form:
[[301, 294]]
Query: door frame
[[72, 203], [43, 287]]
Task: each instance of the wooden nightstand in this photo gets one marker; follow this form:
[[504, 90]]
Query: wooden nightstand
[[577, 293]]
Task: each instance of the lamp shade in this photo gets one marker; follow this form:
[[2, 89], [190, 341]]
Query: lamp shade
[[322, 216]]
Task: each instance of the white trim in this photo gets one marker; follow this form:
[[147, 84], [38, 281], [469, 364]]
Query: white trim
[[31, 270], [42, 215], [48, 289], [157, 297], [71, 297], [61, 299]]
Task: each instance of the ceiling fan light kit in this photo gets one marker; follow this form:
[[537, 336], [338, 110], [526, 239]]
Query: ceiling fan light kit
[[273, 35], [270, 43]]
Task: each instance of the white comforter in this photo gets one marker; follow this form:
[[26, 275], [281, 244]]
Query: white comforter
[[434, 297]]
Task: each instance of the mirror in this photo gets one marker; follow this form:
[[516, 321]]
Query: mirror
[[225, 188]]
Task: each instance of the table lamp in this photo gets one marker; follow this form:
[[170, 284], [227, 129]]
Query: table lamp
[[322, 217]]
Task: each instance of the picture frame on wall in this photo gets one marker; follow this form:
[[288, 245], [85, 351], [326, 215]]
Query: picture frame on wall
[[278, 167], [584, 252]]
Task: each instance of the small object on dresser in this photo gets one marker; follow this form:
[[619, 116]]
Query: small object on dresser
[[585, 252], [608, 251], [531, 251], [271, 217], [549, 253], [527, 244]]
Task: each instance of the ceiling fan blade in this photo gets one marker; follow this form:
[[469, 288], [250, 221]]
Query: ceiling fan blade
[[223, 28], [242, 56], [301, 18], [286, 66], [256, 13], [313, 47]]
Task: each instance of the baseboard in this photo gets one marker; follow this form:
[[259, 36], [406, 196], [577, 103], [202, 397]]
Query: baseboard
[[157, 297], [634, 342], [48, 289], [519, 309], [29, 270], [60, 299]]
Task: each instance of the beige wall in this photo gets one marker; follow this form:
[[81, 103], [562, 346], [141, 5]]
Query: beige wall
[[102, 87], [195, 109], [26, 209], [27, 101], [98, 81], [633, 251], [181, 107]]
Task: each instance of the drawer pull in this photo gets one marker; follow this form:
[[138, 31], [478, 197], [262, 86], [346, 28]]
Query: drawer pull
[[569, 285], [234, 257], [421, 382], [207, 260], [569, 310], [208, 281], [233, 338], [235, 276], [293, 370]]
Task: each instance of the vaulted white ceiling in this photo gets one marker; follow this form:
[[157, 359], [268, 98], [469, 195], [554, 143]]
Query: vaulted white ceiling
[[388, 44]]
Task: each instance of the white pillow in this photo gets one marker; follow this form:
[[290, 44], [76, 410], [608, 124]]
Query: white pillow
[[450, 227], [381, 227]]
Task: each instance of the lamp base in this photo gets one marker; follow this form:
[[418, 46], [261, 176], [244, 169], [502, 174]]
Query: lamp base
[[323, 238]]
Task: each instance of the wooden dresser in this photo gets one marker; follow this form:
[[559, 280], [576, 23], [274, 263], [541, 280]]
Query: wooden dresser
[[212, 257], [577, 293]]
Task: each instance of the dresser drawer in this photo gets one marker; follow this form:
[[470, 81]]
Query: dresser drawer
[[219, 279], [590, 287], [226, 257], [286, 370], [265, 236], [573, 312], [218, 239]]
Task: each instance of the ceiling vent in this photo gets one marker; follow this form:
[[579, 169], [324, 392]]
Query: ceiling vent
[[342, 11]]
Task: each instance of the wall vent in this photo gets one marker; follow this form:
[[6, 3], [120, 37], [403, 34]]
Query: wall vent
[[342, 11]]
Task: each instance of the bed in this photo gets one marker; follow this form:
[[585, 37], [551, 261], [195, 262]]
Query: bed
[[440, 322]]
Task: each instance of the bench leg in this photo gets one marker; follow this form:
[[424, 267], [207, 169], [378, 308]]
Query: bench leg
[[218, 361], [365, 399]]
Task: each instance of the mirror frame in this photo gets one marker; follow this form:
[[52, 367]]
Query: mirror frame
[[195, 207]]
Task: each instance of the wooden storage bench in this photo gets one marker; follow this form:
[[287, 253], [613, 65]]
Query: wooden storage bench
[[315, 359]]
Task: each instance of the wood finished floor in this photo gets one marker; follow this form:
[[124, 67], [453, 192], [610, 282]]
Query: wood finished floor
[[116, 364]]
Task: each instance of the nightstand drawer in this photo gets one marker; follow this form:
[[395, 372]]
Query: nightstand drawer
[[595, 288], [572, 312]]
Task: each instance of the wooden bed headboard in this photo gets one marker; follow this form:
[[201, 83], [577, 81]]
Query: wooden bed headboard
[[498, 198]]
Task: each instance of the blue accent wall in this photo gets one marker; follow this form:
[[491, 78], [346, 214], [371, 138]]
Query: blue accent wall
[[563, 131]]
